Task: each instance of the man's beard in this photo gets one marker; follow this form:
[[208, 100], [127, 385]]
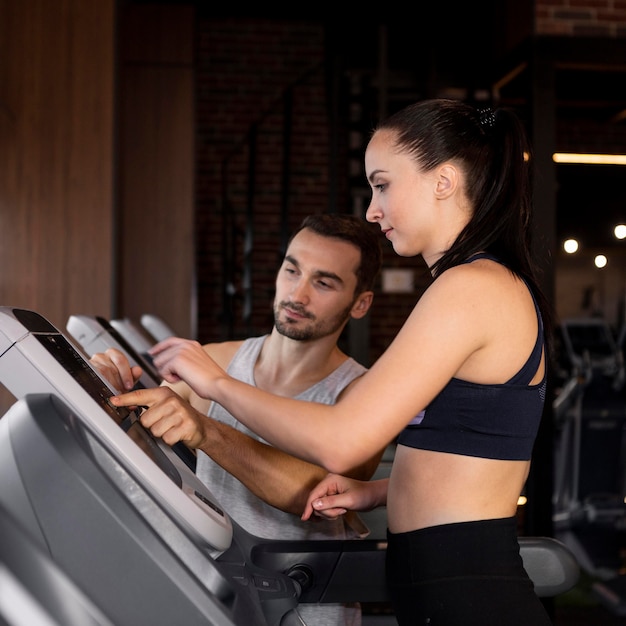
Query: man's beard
[[313, 330]]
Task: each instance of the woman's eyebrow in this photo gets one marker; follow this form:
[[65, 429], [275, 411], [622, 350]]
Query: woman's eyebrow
[[374, 174]]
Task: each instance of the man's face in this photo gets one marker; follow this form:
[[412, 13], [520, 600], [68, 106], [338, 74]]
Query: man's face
[[315, 286]]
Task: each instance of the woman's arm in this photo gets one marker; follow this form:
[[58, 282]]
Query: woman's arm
[[434, 343]]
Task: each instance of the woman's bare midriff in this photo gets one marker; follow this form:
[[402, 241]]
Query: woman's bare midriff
[[431, 488]]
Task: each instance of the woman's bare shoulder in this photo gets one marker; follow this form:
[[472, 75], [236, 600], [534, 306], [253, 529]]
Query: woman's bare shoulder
[[222, 353]]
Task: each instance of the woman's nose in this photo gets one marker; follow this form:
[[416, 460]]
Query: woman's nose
[[373, 213]]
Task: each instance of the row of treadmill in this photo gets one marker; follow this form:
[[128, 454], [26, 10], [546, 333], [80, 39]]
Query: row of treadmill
[[102, 523]]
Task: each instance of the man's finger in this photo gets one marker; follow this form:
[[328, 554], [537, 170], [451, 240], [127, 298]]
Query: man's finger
[[138, 397]]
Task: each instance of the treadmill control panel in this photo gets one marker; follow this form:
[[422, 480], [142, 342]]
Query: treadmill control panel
[[36, 358]]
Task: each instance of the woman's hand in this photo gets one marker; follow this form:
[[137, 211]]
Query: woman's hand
[[114, 366], [337, 494], [184, 359]]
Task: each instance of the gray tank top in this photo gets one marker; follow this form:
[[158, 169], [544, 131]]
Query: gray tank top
[[255, 515]]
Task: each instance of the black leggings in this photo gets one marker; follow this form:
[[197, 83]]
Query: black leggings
[[467, 574]]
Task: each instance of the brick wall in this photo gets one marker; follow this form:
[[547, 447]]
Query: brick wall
[[581, 18], [243, 69], [586, 19]]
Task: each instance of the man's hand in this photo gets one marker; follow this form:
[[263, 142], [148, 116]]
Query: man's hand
[[115, 367], [167, 415]]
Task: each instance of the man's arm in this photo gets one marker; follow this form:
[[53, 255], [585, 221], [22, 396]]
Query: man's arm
[[276, 477]]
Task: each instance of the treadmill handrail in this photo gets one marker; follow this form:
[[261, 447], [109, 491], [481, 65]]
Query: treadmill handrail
[[353, 570]]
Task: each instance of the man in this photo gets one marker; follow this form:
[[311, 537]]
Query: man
[[326, 278]]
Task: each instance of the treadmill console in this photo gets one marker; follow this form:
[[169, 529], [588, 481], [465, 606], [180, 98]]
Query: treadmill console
[[36, 358], [96, 334]]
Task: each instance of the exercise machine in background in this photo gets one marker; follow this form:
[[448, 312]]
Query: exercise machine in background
[[589, 511], [157, 328], [135, 335], [96, 334]]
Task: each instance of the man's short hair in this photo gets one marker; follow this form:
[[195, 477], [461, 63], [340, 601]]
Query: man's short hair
[[356, 231]]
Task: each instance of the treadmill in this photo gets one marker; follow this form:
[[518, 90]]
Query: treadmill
[[122, 513], [590, 489], [156, 327], [34, 590], [143, 512], [95, 334], [136, 336]]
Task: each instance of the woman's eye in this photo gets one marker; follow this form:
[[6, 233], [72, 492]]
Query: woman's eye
[[380, 186]]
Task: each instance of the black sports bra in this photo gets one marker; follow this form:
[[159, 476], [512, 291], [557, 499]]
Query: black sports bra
[[491, 421]]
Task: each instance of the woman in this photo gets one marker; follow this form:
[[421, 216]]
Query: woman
[[462, 386]]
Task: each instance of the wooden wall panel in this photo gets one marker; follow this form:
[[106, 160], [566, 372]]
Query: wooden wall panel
[[56, 155], [156, 165]]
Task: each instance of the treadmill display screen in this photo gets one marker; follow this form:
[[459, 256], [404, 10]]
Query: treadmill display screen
[[79, 370], [127, 347], [593, 338], [76, 366]]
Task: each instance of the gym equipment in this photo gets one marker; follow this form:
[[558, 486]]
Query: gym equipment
[[135, 336], [67, 488], [124, 515], [33, 589], [589, 344], [95, 334], [158, 516], [36, 358], [589, 511], [156, 327]]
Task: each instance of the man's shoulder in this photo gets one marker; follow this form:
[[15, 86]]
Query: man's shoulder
[[352, 370], [353, 366]]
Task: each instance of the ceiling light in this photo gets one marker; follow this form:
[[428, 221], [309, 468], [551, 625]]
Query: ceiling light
[[596, 159], [620, 231], [600, 261]]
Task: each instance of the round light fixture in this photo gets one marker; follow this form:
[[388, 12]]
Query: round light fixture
[[570, 246]]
